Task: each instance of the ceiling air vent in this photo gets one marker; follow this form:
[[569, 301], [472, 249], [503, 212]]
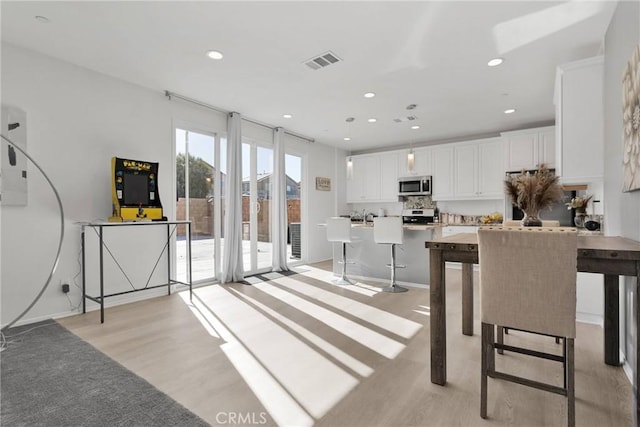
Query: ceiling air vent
[[322, 61], [405, 119]]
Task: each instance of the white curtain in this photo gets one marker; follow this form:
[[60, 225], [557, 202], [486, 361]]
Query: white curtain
[[232, 269], [279, 204]]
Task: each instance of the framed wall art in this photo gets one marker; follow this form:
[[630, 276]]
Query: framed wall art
[[631, 123], [323, 184]]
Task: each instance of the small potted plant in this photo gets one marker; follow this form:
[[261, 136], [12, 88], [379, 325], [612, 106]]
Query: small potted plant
[[580, 205], [533, 192]]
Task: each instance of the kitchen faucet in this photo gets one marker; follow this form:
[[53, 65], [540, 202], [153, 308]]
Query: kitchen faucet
[[364, 216]]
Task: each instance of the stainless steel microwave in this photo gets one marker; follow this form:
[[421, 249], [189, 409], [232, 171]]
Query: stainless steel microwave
[[414, 186]]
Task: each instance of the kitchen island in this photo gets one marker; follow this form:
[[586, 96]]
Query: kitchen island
[[371, 258]]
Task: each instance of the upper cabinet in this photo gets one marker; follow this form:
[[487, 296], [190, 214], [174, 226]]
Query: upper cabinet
[[389, 177], [372, 178], [579, 121], [442, 172], [422, 162], [526, 149], [478, 169]]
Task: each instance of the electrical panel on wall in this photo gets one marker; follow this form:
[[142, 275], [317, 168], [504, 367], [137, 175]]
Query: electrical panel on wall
[[13, 188]]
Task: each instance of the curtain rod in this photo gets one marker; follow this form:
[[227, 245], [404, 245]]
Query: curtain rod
[[170, 95]]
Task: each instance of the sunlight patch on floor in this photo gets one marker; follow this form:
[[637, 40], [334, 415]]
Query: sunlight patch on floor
[[344, 358], [383, 319], [425, 313], [282, 408], [327, 276], [373, 340], [276, 400], [312, 380], [202, 314]]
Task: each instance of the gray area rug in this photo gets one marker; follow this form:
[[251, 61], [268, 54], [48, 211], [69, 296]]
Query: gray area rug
[[50, 377]]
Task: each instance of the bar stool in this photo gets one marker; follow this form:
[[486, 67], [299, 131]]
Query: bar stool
[[339, 231], [388, 231]]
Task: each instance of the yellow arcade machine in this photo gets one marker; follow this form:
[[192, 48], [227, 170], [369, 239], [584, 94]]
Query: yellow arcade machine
[[134, 191]]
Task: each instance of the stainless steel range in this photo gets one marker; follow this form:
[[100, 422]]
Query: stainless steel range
[[418, 216]]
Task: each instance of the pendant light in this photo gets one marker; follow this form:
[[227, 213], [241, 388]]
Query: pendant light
[[349, 120], [410, 160]]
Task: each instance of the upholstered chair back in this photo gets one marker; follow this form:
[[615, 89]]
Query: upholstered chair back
[[528, 278], [388, 229], [338, 229]]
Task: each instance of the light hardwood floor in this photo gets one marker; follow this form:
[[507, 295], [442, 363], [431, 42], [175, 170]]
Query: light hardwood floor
[[300, 351]]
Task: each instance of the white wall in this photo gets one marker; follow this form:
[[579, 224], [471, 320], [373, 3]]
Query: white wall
[[622, 210], [77, 120]]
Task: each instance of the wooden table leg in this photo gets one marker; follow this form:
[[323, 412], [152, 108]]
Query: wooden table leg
[[611, 320], [467, 299], [438, 318]]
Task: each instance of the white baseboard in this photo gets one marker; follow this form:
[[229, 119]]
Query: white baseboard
[[594, 319]]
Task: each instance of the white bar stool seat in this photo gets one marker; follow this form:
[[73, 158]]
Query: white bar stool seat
[[388, 231], [339, 231]]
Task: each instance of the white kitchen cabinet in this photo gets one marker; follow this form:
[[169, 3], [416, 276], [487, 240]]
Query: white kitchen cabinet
[[422, 164], [442, 175], [478, 170], [373, 178], [526, 149], [466, 171], [389, 177], [359, 185], [580, 121]]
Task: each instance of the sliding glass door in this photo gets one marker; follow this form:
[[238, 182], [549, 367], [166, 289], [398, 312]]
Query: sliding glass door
[[257, 171], [200, 170]]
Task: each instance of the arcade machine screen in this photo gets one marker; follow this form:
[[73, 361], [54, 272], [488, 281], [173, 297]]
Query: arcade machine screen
[[136, 189]]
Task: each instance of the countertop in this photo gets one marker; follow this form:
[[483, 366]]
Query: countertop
[[405, 226]]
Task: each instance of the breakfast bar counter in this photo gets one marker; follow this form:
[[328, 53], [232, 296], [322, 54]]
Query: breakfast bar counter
[[370, 259]]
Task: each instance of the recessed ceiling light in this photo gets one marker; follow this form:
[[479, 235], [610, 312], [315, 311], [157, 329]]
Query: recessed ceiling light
[[346, 138], [369, 95], [287, 116], [214, 54], [510, 111], [495, 61], [415, 127], [372, 120], [42, 19]]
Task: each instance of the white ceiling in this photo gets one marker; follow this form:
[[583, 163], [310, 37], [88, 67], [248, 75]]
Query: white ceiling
[[429, 53]]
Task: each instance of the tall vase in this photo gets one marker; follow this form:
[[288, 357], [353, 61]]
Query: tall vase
[[579, 219], [531, 219]]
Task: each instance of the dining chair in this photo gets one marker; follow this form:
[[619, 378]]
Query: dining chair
[[339, 231], [528, 283], [517, 223]]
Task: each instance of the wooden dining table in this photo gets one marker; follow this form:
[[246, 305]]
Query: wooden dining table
[[607, 255]]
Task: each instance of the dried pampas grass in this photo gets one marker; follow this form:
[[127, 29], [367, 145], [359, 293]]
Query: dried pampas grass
[[534, 192]]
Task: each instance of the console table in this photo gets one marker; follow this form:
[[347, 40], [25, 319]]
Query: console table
[[100, 228], [610, 256]]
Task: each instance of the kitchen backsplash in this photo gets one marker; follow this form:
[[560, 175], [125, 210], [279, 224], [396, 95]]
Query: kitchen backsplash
[[419, 202]]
